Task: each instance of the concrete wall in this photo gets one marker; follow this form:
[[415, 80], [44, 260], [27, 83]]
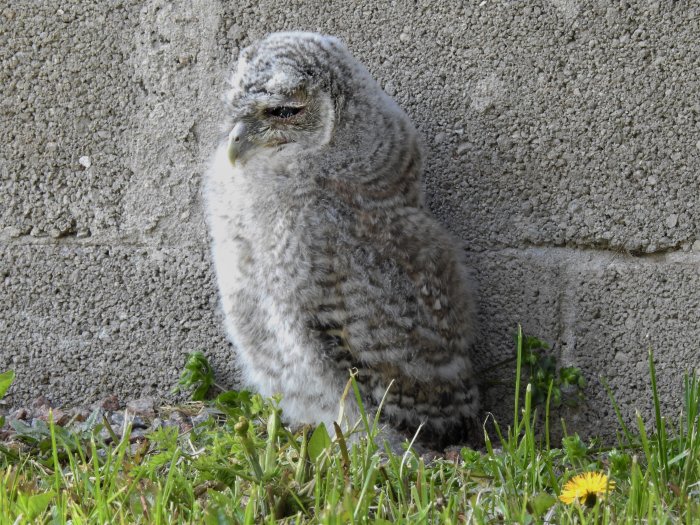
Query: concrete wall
[[563, 147]]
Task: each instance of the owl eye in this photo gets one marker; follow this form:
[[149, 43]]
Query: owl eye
[[284, 111]]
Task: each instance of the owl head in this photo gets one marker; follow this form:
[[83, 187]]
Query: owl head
[[303, 96]]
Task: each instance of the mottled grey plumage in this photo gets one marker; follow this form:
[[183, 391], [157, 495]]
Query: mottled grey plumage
[[325, 256]]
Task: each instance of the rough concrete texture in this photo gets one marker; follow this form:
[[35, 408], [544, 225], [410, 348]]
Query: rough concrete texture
[[89, 320], [562, 145]]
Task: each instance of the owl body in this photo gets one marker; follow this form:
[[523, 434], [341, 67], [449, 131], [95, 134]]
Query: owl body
[[326, 259]]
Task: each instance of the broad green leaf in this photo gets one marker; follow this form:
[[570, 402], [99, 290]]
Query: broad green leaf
[[319, 442], [541, 503], [257, 404], [234, 403], [35, 505], [234, 398], [6, 379]]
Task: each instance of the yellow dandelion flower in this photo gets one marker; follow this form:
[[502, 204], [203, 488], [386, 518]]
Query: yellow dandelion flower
[[586, 488]]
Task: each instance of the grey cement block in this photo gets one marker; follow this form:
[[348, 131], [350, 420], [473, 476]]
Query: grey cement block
[[550, 123], [67, 94], [81, 323], [100, 111], [601, 313], [618, 308]]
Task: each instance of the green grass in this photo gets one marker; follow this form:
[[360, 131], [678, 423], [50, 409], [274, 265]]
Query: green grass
[[243, 466]]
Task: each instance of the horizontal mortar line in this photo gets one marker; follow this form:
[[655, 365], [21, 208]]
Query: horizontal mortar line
[[617, 251], [589, 255], [95, 243], [562, 254]]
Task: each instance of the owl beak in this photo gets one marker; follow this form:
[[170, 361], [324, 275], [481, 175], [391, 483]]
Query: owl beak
[[238, 142]]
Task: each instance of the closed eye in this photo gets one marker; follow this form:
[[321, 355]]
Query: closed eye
[[283, 111]]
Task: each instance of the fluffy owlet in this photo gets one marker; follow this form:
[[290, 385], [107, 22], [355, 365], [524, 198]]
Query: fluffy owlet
[[326, 258]]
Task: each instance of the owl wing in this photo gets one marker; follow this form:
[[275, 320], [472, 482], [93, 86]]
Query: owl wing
[[406, 317]]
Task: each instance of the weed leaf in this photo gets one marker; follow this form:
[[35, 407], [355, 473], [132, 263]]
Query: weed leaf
[[35, 505], [6, 379], [319, 442], [541, 503]]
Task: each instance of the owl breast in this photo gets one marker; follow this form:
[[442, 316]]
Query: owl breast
[[269, 246]]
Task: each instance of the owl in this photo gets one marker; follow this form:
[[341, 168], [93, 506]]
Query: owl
[[327, 260]]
